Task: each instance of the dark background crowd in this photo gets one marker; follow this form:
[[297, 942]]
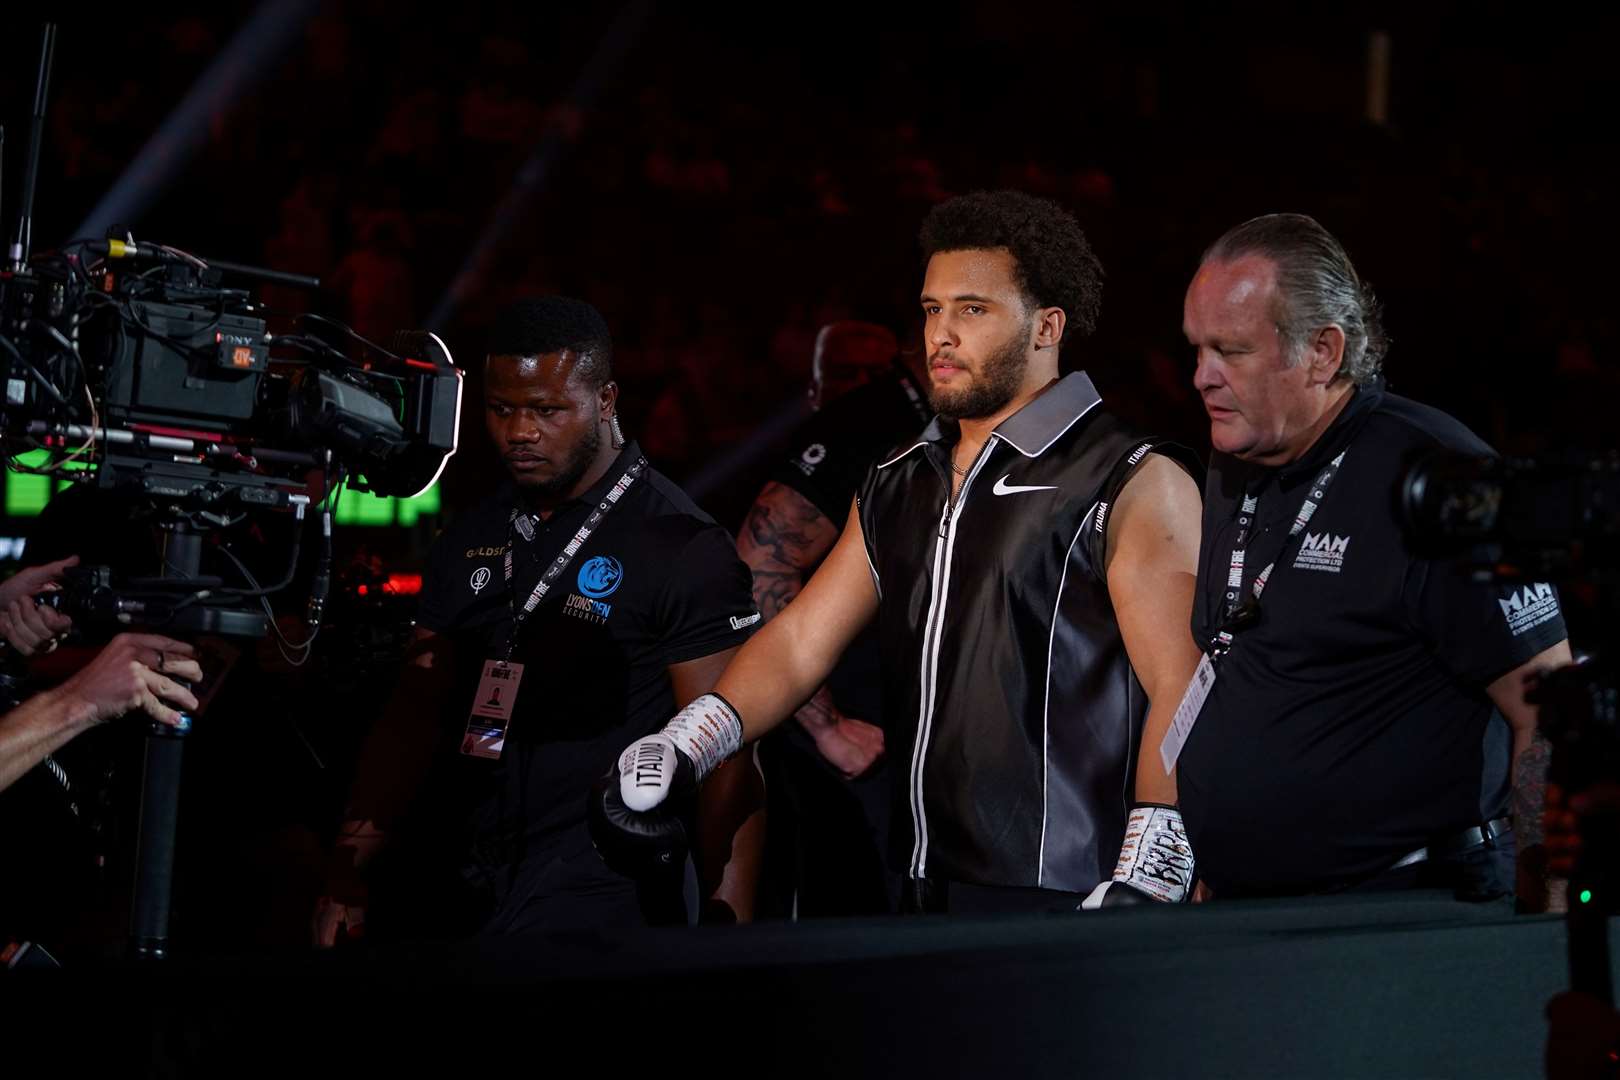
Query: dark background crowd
[[720, 188], [722, 182]]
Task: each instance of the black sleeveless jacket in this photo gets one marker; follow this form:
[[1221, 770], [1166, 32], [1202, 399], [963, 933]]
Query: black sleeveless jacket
[[1015, 714]]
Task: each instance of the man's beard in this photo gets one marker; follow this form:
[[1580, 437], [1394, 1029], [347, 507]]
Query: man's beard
[[991, 387], [569, 470]]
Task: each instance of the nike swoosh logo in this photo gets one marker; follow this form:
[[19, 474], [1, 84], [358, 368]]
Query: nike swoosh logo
[[1004, 488]]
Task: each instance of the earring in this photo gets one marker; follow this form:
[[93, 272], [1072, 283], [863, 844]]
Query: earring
[[618, 432]]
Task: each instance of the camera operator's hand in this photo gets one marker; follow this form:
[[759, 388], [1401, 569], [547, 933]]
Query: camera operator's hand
[[134, 671], [27, 626], [340, 910], [340, 913]]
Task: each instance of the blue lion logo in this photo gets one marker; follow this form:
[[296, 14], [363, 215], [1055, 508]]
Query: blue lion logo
[[601, 577]]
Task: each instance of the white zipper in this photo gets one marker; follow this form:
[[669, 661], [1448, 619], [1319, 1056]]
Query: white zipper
[[944, 546]]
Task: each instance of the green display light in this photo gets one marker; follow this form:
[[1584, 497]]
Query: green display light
[[1586, 896], [423, 504], [366, 508], [26, 495]]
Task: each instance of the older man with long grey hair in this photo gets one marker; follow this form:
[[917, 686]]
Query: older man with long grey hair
[[1344, 730]]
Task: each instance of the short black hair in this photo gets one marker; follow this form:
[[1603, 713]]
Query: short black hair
[[537, 325], [1055, 265]]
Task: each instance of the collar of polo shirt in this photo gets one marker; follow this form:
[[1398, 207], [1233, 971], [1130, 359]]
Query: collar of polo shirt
[[1033, 429]]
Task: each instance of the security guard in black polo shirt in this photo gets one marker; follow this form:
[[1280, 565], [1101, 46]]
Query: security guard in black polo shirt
[[1339, 733], [570, 612]]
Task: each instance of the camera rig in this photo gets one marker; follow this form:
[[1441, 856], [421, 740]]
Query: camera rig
[[1533, 524], [154, 374]]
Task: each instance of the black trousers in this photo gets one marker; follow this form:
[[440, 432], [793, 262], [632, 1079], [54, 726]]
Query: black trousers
[[826, 837]]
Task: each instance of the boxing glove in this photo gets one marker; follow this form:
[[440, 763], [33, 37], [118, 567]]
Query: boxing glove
[[636, 812], [1155, 862]]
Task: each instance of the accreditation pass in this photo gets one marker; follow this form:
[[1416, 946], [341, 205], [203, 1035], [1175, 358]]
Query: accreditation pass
[[492, 709], [1192, 703]]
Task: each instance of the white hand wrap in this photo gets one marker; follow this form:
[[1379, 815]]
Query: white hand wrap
[[707, 731], [1155, 860]]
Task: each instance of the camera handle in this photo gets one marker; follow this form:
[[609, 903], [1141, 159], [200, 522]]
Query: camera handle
[[1591, 894], [165, 753]]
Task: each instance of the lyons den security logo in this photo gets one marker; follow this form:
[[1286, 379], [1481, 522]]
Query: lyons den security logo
[[1529, 607], [1322, 551], [598, 579]]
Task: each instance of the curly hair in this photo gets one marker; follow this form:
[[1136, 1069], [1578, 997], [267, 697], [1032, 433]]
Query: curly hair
[[1053, 262], [535, 326]]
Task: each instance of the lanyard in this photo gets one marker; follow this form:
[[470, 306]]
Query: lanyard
[[525, 528], [1240, 615]]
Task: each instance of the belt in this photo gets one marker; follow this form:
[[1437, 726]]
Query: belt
[[1458, 842]]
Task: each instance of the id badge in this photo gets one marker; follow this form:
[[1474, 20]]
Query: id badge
[[1192, 703], [492, 709]]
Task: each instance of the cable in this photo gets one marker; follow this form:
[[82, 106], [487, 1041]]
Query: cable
[[129, 308], [90, 440], [84, 378], [311, 344], [292, 565], [362, 340], [49, 386], [336, 494], [184, 255], [282, 644]]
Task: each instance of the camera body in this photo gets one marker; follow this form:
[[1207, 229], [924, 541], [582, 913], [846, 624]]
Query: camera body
[[135, 355], [1553, 516], [1555, 519]]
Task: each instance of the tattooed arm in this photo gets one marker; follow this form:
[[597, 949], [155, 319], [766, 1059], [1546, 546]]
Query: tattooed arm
[[1530, 755], [782, 539], [784, 536]]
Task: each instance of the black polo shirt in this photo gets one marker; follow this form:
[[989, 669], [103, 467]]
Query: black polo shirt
[[831, 452], [657, 583], [1346, 728]]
